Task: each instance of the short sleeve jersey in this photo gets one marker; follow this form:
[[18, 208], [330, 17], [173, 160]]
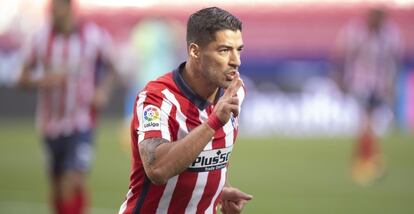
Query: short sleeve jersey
[[167, 108]]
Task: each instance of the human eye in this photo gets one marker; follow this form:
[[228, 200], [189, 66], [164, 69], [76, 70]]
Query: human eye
[[224, 50]]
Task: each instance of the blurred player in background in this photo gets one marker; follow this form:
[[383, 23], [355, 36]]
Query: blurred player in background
[[66, 64], [185, 124], [369, 54]]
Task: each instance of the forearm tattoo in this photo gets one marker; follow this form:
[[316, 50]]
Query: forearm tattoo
[[147, 149]]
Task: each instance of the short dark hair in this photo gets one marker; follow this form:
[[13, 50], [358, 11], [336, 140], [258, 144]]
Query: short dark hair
[[203, 24]]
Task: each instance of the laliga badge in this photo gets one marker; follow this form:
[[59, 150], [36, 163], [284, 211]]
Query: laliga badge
[[151, 118]]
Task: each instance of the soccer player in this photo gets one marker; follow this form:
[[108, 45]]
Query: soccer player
[[62, 65], [369, 53], [185, 125]]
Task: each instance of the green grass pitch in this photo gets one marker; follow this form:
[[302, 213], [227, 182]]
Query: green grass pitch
[[301, 175]]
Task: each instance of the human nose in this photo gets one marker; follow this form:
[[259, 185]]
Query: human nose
[[235, 59]]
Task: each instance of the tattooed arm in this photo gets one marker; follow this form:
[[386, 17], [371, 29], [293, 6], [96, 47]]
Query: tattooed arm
[[163, 160]]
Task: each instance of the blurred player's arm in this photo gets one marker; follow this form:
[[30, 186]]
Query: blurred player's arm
[[45, 81], [105, 86], [397, 51]]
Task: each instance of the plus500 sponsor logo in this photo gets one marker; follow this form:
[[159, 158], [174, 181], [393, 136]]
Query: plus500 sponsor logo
[[211, 160]]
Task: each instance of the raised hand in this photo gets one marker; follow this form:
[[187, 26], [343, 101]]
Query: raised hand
[[229, 103]]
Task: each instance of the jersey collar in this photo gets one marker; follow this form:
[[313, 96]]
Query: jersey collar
[[200, 102]]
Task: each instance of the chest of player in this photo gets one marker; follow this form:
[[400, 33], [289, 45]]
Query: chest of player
[[190, 118], [73, 54]]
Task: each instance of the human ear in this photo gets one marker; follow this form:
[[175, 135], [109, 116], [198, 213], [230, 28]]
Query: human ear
[[194, 51]]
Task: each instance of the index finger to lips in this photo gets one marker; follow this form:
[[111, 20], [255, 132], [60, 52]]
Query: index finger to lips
[[236, 83]]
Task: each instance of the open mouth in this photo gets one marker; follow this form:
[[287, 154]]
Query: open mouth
[[230, 75]]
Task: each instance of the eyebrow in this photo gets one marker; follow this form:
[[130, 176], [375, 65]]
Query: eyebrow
[[228, 46]]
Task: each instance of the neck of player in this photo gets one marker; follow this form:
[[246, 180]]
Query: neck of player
[[198, 83], [65, 27]]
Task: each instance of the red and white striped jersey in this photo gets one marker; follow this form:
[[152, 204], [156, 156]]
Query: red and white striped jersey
[[65, 109], [371, 59], [169, 109]]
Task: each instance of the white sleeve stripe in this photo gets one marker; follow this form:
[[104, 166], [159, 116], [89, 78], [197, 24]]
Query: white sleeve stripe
[[165, 113], [140, 107]]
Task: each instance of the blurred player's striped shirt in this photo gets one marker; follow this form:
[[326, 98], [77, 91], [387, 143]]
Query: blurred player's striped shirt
[[67, 108], [371, 59], [167, 108]]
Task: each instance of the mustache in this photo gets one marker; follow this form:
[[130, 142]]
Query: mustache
[[231, 70]]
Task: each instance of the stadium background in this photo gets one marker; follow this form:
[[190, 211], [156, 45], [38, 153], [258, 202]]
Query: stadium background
[[289, 163]]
